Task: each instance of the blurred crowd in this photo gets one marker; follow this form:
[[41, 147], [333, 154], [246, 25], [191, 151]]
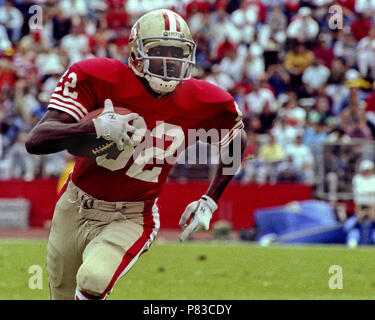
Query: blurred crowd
[[302, 72]]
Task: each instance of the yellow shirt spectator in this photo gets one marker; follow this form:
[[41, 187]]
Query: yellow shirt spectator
[[297, 60], [271, 151]]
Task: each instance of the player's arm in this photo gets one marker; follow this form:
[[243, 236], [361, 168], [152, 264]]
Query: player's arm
[[75, 96], [201, 211], [55, 131], [232, 147], [229, 162]]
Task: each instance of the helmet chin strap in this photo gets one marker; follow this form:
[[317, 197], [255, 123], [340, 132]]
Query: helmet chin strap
[[161, 86], [156, 84]]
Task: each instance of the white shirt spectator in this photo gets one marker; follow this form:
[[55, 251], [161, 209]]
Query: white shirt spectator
[[301, 155], [364, 6], [255, 66], [244, 19], [284, 133], [225, 29], [4, 39], [49, 63], [220, 79], [74, 7], [258, 98], [316, 76], [294, 115], [75, 45], [11, 17], [366, 54], [364, 184], [303, 26], [364, 189], [245, 15], [1, 146], [233, 64], [139, 7]]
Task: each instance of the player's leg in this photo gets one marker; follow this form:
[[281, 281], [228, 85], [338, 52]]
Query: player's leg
[[63, 252], [111, 254]]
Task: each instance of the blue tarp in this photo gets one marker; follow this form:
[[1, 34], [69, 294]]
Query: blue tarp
[[310, 221]]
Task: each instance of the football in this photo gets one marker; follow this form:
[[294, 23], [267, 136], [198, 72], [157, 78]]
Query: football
[[89, 146]]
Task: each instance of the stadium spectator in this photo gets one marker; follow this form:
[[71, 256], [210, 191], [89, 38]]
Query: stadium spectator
[[323, 51], [366, 7], [361, 26], [354, 123], [302, 159], [233, 64], [260, 96], [275, 25], [321, 113], [293, 113], [267, 118], [11, 18], [315, 135], [278, 79], [244, 18], [364, 185], [254, 63], [283, 132], [61, 25], [345, 47], [288, 172], [117, 18], [75, 44], [221, 79], [5, 43], [21, 164], [296, 61], [224, 28], [366, 55], [73, 8], [303, 27], [360, 227], [271, 152], [315, 77]]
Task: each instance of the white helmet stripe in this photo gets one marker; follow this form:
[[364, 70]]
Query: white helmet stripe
[[172, 21]]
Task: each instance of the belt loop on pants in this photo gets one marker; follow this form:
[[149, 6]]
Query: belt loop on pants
[[89, 202]]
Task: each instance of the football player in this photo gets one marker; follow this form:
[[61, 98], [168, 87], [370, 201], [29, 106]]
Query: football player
[[106, 215]]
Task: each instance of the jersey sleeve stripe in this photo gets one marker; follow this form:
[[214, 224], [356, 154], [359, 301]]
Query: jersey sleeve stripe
[[68, 105], [79, 105], [230, 135], [72, 113]]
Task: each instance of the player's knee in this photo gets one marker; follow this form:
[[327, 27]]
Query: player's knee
[[92, 281]]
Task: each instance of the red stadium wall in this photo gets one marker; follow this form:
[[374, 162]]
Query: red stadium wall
[[236, 205]]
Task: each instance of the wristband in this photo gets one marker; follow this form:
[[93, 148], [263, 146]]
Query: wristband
[[210, 203]]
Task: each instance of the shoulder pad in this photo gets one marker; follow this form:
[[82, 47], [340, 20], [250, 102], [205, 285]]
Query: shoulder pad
[[201, 99], [207, 92], [109, 70]]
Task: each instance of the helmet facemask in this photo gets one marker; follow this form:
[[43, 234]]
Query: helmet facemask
[[162, 50], [174, 69]]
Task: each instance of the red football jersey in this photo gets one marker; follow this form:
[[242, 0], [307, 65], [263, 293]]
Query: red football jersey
[[169, 122]]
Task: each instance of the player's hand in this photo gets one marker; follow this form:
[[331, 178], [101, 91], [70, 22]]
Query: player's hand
[[201, 213], [113, 126]]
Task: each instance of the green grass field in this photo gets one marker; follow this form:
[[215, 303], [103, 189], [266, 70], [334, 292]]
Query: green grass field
[[212, 271]]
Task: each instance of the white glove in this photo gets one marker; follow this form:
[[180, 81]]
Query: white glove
[[113, 126], [201, 212]]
